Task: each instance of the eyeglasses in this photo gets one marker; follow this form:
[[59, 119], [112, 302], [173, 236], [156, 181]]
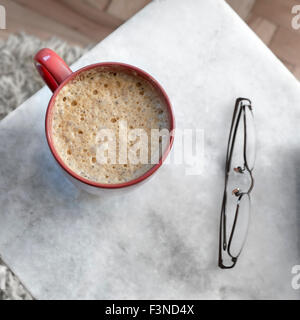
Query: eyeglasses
[[239, 182]]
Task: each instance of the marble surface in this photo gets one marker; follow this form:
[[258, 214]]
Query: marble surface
[[161, 240]]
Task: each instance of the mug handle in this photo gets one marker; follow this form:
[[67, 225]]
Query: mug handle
[[51, 67]]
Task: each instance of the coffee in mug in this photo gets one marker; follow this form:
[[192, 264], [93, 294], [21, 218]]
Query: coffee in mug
[[97, 100]]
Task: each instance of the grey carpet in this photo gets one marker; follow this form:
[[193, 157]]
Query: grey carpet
[[18, 81]]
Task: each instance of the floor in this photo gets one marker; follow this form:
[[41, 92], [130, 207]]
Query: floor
[[88, 21], [77, 21], [272, 22]]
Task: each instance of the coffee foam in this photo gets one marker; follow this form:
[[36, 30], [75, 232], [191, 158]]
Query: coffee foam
[[97, 99]]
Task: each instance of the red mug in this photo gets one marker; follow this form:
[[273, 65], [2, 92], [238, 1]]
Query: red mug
[[56, 73]]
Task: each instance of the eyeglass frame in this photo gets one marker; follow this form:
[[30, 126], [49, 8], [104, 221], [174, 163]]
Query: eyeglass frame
[[223, 245]]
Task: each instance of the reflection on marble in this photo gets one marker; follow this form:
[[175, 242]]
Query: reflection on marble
[[161, 240]]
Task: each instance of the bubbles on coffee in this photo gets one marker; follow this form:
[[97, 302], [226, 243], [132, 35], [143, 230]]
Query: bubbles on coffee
[[101, 99]]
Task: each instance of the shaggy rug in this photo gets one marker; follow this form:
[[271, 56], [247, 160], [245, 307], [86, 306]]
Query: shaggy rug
[[16, 67]]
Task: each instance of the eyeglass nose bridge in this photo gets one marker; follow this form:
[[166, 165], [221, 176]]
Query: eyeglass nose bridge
[[241, 170]]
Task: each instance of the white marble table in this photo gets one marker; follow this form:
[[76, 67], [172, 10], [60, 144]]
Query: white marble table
[[161, 241]]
